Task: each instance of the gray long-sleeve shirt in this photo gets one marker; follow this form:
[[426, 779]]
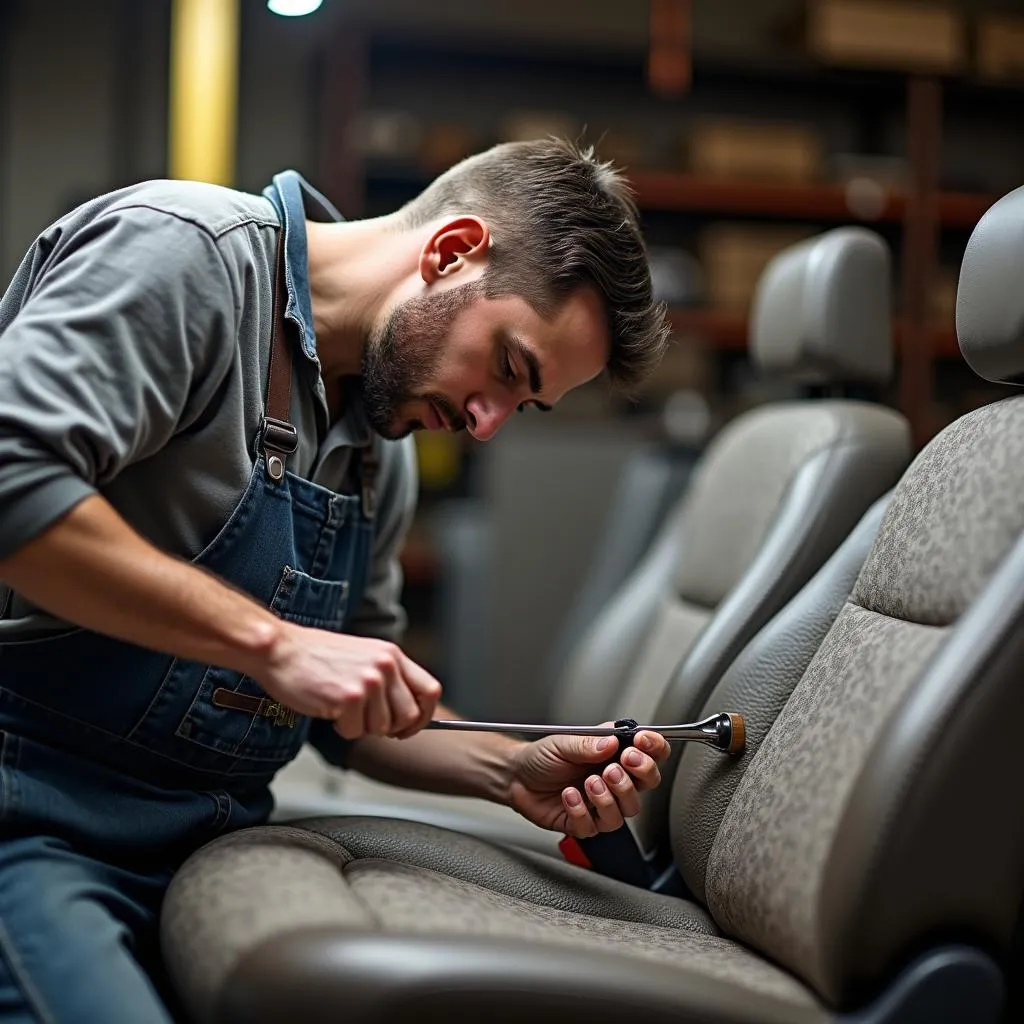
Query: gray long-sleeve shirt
[[134, 342]]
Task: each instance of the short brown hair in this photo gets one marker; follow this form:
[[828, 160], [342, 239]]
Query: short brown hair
[[560, 219]]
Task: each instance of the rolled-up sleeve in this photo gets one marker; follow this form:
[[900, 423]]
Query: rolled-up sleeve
[[124, 337], [381, 613]]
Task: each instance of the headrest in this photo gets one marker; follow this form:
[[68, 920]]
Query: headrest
[[990, 294], [822, 311]]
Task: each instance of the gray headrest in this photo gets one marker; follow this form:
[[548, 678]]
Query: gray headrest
[[990, 294], [822, 311]]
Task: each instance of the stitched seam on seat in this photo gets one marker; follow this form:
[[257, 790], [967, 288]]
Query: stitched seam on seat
[[334, 851], [383, 861], [896, 618]]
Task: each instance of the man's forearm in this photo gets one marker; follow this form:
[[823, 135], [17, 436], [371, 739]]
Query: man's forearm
[[93, 569], [459, 763]]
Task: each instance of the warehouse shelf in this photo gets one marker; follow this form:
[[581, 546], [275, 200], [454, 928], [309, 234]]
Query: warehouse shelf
[[676, 192], [671, 192], [726, 330]]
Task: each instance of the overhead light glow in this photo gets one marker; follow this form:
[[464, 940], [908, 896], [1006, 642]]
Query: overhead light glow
[[293, 8]]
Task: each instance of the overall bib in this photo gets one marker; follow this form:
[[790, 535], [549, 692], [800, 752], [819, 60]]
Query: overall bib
[[116, 762]]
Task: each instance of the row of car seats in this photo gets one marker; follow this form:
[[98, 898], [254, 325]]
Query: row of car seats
[[863, 860]]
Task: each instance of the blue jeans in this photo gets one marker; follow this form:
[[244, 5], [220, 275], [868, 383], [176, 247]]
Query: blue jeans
[[117, 762], [78, 938]]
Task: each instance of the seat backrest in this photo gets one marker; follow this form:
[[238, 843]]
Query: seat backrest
[[884, 809], [650, 484], [770, 499], [758, 684]]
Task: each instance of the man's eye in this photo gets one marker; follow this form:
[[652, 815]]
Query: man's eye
[[506, 367]]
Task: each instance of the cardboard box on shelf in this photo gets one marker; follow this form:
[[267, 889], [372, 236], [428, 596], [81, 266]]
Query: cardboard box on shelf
[[778, 151], [1001, 47], [898, 34], [734, 255]]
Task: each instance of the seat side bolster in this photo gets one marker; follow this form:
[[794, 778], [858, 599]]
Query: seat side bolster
[[326, 974], [950, 859], [822, 505]]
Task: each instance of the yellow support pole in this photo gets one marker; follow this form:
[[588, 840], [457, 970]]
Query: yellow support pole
[[203, 90]]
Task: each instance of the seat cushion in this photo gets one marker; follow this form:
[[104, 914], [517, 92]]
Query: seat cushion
[[409, 879]]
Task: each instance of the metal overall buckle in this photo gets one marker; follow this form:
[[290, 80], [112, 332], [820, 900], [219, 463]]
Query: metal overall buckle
[[279, 713], [368, 466], [278, 439]]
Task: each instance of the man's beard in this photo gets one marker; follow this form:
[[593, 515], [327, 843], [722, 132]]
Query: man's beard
[[402, 358]]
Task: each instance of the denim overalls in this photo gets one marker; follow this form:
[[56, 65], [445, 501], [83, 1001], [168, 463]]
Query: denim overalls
[[116, 762]]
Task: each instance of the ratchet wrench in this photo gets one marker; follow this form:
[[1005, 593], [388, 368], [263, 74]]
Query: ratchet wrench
[[725, 731]]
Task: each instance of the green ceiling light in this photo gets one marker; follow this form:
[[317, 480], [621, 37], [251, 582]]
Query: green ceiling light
[[293, 8]]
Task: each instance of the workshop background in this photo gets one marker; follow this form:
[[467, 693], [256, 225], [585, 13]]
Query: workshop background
[[743, 124]]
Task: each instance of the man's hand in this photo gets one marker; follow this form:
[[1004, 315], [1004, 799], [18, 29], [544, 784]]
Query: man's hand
[[548, 776], [367, 687]]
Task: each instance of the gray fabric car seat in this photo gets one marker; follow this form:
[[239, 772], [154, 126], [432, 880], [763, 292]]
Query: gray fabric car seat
[[774, 494], [862, 862], [652, 481]]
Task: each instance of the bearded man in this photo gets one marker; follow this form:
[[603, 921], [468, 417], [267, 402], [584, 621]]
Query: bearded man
[[205, 482]]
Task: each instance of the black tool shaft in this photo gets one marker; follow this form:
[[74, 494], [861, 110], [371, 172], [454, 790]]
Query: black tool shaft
[[519, 727], [719, 730]]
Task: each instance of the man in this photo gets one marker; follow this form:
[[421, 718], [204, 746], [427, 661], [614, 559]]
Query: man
[[200, 521]]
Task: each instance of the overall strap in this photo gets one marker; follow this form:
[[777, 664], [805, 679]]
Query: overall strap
[[369, 464], [278, 437]]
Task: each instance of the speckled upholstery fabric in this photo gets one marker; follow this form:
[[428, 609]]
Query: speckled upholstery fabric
[[413, 900], [519, 875], [954, 517], [760, 682], [219, 906], [764, 875]]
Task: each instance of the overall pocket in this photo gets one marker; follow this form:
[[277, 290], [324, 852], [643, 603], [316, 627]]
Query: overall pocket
[[255, 728]]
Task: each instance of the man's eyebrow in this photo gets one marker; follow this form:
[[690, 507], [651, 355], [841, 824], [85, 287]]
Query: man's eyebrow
[[532, 366]]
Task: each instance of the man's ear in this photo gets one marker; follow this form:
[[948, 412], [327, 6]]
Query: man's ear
[[453, 246]]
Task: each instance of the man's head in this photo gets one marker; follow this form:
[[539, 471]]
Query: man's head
[[532, 279]]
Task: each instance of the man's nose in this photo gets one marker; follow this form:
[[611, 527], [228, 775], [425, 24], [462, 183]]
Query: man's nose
[[485, 416]]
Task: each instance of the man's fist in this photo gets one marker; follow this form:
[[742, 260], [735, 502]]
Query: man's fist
[[365, 686]]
